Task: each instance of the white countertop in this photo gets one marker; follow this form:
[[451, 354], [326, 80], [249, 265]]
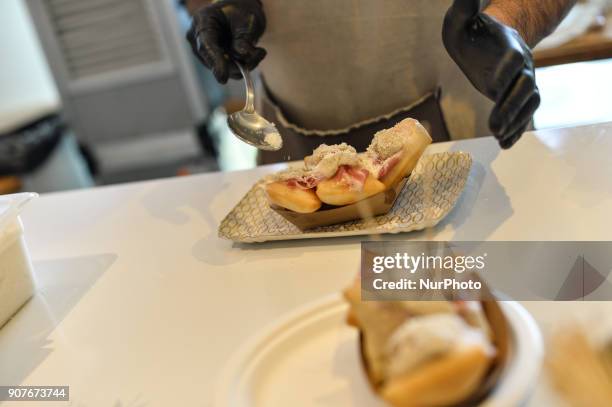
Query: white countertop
[[140, 303]]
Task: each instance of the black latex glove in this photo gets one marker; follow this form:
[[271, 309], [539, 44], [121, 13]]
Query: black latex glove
[[227, 31], [499, 64]]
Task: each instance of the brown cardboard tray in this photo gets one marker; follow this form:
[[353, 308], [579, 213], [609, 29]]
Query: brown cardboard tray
[[375, 205]]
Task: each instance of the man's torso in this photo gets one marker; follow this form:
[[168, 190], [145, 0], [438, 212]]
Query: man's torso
[[332, 64]]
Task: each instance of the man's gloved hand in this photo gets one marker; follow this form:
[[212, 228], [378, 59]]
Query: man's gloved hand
[[499, 64], [227, 31]]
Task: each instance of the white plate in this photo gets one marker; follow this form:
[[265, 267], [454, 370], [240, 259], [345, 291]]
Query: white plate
[[311, 358]]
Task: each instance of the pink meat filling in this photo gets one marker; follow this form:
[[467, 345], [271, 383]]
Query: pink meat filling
[[389, 164], [306, 182], [383, 167], [353, 176]]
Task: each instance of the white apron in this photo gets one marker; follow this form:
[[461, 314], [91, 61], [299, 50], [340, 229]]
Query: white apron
[[331, 64]]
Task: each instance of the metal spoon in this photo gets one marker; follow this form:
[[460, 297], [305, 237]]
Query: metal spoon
[[249, 126]]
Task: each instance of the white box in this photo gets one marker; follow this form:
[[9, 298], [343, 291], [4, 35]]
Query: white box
[[16, 282]]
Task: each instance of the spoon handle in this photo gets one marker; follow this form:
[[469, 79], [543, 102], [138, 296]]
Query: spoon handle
[[249, 106]]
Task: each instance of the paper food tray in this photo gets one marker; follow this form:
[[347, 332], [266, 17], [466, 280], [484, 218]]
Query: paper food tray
[[425, 199]]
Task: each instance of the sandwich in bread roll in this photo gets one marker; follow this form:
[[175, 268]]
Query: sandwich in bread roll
[[395, 152], [293, 189], [337, 175], [343, 179], [422, 353], [291, 196], [349, 185]]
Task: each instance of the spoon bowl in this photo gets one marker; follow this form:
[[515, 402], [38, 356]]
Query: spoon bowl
[[255, 130], [249, 126]]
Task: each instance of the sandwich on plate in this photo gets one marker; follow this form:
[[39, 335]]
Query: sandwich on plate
[[422, 353]]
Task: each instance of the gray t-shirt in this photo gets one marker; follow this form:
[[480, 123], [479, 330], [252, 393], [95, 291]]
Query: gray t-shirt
[[331, 64]]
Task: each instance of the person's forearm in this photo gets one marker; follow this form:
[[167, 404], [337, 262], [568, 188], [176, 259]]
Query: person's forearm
[[533, 19]]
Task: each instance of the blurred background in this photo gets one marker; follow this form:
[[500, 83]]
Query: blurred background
[[97, 92]]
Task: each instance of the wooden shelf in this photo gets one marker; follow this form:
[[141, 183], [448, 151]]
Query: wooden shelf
[[589, 46]]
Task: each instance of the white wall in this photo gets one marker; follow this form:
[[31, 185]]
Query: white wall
[[26, 85]]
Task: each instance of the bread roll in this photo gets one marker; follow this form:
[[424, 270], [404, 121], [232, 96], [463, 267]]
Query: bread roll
[[409, 371], [337, 191], [442, 382], [416, 142], [293, 198]]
